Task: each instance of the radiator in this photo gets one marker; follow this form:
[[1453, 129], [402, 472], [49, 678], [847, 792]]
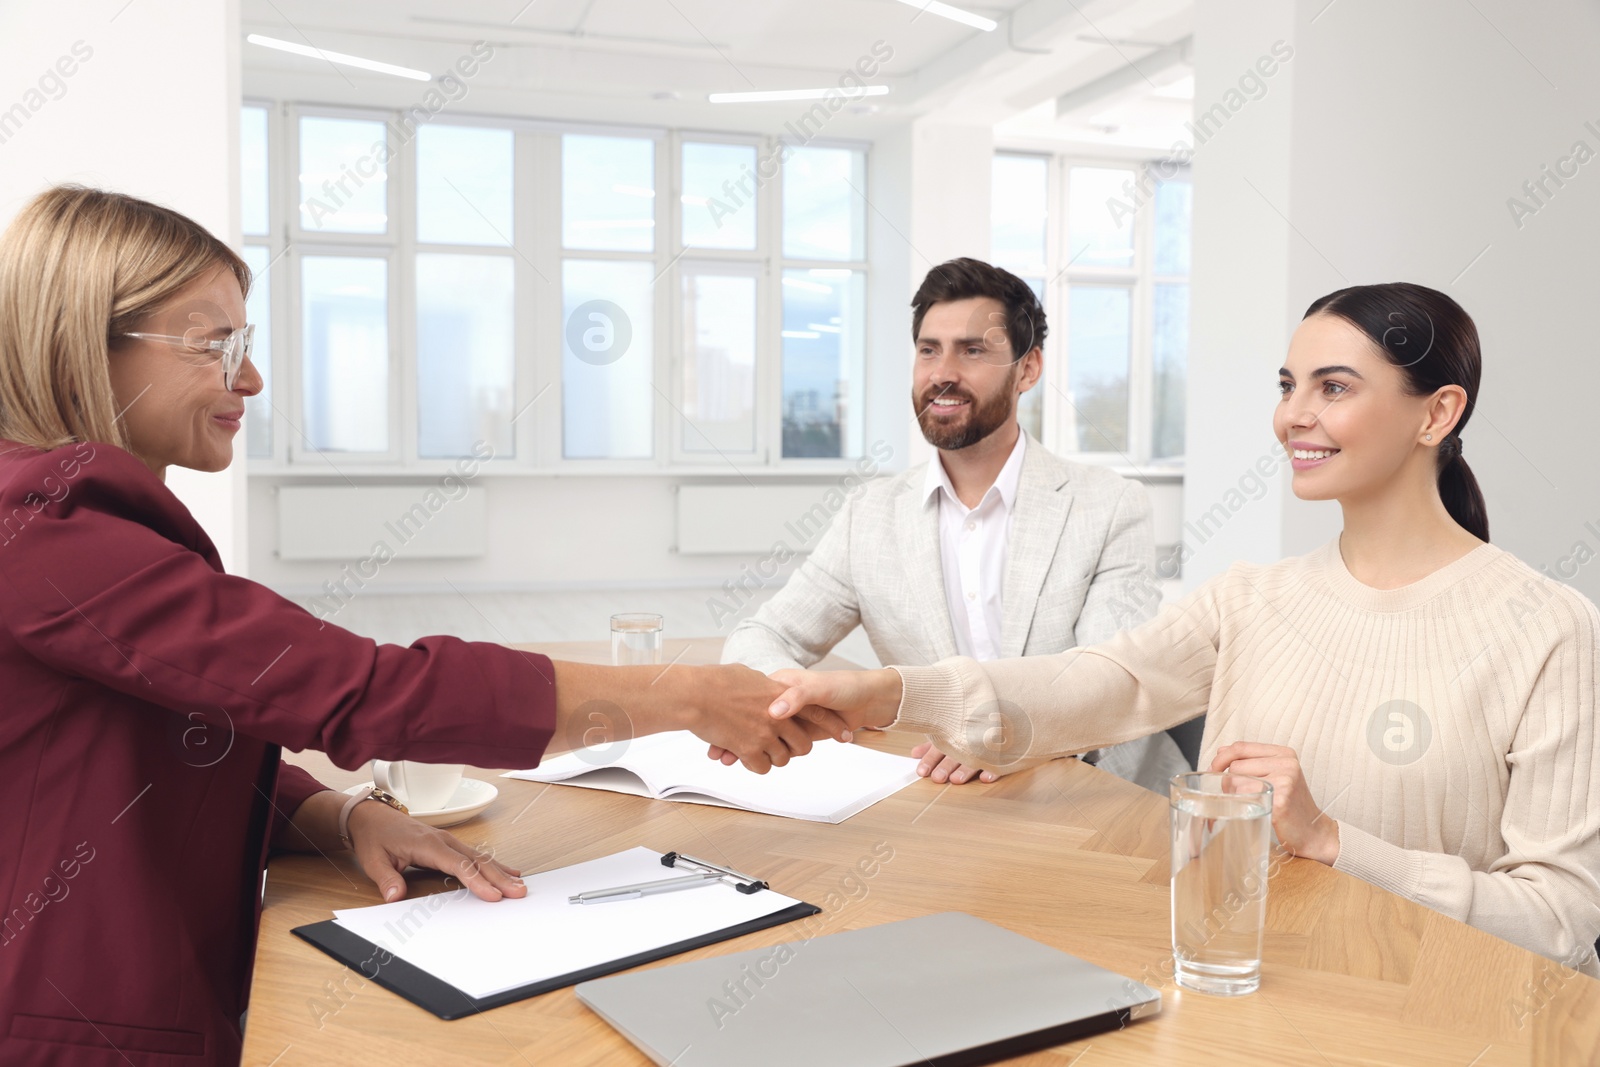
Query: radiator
[[746, 519], [423, 521]]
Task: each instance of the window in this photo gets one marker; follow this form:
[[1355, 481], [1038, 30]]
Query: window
[[464, 280], [465, 355], [823, 360], [607, 382], [720, 336], [711, 219], [687, 302], [345, 350], [1107, 248], [608, 192], [823, 305], [344, 180], [464, 185]]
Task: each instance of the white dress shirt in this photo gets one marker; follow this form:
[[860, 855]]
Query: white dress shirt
[[972, 548]]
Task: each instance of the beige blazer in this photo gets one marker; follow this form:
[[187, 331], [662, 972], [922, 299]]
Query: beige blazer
[[1077, 571]]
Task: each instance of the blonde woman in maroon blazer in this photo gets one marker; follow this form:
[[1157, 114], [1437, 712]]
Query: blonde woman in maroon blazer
[[146, 694]]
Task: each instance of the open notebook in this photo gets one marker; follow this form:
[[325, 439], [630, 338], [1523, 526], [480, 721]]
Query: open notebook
[[830, 784]]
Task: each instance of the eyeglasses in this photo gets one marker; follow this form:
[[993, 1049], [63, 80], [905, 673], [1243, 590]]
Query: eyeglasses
[[235, 348]]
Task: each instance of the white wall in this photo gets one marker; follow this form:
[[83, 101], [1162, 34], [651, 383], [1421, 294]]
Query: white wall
[[151, 108], [951, 166], [1239, 319], [1393, 140]]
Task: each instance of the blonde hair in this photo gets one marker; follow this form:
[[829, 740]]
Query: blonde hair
[[78, 267]]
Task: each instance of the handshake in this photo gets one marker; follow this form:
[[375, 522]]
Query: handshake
[[744, 715], [765, 721]]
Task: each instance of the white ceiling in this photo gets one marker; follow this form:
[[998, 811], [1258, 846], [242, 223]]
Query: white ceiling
[[652, 62]]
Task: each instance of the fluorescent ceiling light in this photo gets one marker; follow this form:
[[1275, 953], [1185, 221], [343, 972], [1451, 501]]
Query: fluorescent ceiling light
[[810, 287], [822, 327], [955, 14], [801, 335], [340, 57], [769, 95]]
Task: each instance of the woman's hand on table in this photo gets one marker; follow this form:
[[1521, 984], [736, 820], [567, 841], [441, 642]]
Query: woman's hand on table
[[386, 842], [1300, 824]]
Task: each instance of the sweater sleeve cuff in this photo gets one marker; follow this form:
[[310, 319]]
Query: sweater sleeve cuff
[[930, 700], [1375, 860]]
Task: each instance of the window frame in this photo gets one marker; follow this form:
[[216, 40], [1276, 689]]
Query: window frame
[[538, 249], [275, 241], [387, 246]]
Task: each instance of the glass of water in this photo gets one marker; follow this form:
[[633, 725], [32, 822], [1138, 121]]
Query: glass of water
[[635, 639], [1221, 837]]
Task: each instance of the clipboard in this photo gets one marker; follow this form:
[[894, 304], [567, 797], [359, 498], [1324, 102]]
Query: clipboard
[[380, 965]]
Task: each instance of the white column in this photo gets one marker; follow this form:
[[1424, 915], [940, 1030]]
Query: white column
[[951, 166], [1239, 319], [138, 97]]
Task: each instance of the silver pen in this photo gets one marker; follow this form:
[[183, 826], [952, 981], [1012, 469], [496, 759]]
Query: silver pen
[[646, 889]]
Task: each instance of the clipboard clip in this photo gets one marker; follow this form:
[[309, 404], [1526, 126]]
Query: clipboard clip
[[742, 882]]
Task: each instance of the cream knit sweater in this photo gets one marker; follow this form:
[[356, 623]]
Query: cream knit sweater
[[1448, 725]]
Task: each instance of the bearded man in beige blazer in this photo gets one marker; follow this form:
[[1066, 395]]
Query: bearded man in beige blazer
[[994, 548]]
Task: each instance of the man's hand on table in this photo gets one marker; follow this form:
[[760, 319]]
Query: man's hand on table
[[941, 768]]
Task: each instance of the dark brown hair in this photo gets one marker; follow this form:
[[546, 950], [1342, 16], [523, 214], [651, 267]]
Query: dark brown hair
[[963, 279], [1433, 342]]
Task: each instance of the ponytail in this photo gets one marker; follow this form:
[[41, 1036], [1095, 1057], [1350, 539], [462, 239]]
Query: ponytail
[[1458, 488]]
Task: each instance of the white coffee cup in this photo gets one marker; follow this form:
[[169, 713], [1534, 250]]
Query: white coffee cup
[[420, 786]]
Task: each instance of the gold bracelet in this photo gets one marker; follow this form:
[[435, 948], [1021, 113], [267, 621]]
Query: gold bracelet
[[388, 798], [371, 792]]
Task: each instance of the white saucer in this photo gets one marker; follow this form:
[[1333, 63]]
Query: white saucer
[[470, 797]]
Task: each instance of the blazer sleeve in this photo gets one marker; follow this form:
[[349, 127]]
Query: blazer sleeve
[[1123, 591], [295, 787], [111, 583], [815, 610]]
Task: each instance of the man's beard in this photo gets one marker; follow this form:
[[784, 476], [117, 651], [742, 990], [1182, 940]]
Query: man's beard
[[982, 418]]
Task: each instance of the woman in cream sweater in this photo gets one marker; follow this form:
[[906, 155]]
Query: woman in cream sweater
[[1422, 701]]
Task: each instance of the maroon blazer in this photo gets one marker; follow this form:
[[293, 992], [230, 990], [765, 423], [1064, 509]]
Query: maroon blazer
[[144, 698]]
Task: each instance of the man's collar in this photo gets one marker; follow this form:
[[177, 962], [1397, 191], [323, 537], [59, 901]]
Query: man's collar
[[1006, 481]]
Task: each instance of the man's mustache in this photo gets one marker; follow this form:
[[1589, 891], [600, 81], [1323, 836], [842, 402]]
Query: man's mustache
[[946, 394]]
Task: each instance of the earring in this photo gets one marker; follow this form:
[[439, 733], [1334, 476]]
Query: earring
[[1427, 437]]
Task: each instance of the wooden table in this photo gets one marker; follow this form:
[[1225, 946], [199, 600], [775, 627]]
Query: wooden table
[[1065, 854]]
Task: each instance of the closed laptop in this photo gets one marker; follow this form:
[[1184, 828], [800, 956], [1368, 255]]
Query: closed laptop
[[943, 989]]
